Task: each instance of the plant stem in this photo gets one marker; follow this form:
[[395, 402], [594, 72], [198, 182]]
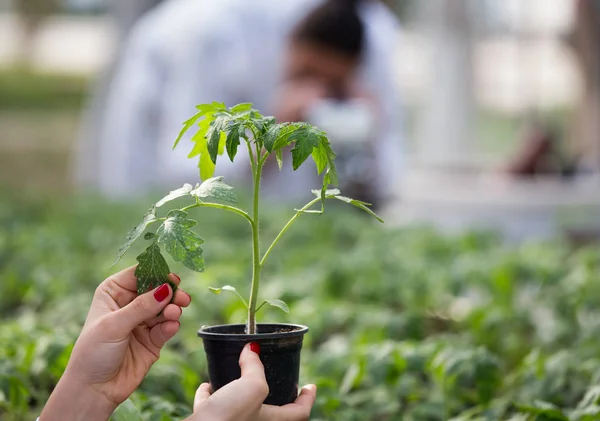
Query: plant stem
[[220, 206], [251, 328], [285, 228]]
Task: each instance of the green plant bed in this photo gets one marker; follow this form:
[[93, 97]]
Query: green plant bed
[[22, 89], [405, 324]]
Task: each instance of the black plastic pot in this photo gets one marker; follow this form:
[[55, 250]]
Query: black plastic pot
[[280, 346]]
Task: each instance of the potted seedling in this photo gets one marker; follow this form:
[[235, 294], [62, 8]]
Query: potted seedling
[[219, 130]]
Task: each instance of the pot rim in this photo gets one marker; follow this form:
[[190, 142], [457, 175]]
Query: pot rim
[[204, 332]]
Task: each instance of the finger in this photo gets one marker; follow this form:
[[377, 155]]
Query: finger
[[174, 278], [307, 397], [251, 366], [125, 279], [202, 395], [161, 333], [171, 312], [144, 307], [297, 411], [182, 298]]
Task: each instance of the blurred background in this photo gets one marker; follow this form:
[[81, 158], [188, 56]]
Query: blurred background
[[472, 125], [495, 110]]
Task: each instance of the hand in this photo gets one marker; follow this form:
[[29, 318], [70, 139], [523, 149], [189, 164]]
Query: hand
[[121, 339], [241, 400]]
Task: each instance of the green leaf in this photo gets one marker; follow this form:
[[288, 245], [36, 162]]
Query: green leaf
[[217, 291], [235, 131], [127, 411], [240, 108], [214, 187], [326, 152], [335, 194], [149, 236], [205, 110], [152, 270], [175, 194], [180, 242], [279, 304], [279, 157], [207, 166], [214, 135], [361, 205], [186, 126], [135, 233], [306, 139], [277, 136]]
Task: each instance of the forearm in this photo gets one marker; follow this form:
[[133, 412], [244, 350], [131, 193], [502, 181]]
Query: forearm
[[72, 401]]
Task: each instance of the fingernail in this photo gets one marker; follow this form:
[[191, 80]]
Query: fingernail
[[161, 293], [255, 347], [177, 276], [189, 296]]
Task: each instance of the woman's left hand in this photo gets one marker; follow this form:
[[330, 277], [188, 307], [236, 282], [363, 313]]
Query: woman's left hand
[[121, 339]]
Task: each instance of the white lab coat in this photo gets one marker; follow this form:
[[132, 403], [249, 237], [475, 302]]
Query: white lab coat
[[188, 52]]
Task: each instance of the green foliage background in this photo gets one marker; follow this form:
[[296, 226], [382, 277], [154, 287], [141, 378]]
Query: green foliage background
[[405, 324]]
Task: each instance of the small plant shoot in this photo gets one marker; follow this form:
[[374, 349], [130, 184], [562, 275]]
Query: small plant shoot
[[223, 130]]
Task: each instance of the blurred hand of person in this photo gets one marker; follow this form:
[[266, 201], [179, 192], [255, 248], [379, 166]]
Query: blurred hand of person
[[121, 339], [242, 399]]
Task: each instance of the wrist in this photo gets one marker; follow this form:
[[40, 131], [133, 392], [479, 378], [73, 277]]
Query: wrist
[[73, 401]]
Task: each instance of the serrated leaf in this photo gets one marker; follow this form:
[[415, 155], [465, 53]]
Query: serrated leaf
[[204, 110], [305, 139], [240, 108], [233, 139], [152, 270], [135, 233], [186, 126], [361, 205], [180, 242], [175, 194], [214, 135], [331, 177], [277, 136], [279, 304], [335, 194], [214, 187], [206, 166]]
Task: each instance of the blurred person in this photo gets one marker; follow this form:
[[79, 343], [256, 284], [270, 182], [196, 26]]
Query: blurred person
[[124, 15], [120, 341], [324, 61]]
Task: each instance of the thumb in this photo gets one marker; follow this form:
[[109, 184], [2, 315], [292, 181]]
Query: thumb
[[250, 363], [144, 307]]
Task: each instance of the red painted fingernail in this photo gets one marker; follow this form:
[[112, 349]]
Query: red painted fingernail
[[177, 276], [161, 293], [255, 347]]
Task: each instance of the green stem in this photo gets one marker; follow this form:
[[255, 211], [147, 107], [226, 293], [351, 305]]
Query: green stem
[[255, 248], [285, 228], [220, 206], [251, 154]]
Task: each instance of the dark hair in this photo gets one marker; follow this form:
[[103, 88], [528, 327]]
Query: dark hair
[[336, 25]]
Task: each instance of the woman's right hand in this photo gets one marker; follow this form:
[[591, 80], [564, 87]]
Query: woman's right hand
[[242, 399]]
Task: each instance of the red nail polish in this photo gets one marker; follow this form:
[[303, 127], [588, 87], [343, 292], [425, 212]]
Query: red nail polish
[[177, 276], [255, 347], [161, 293], [190, 297]]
